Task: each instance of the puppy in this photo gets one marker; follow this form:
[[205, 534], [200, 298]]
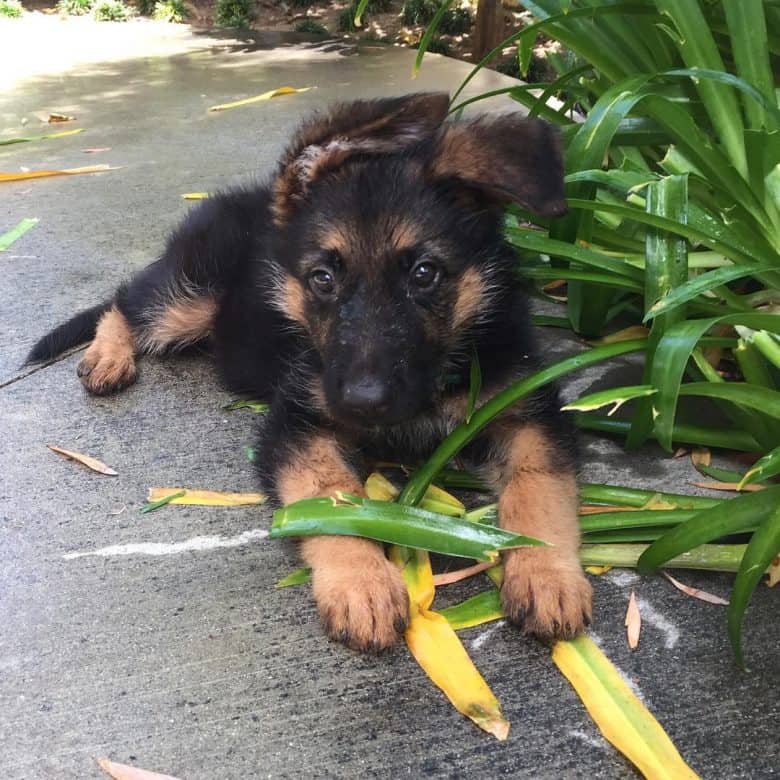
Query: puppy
[[351, 291]]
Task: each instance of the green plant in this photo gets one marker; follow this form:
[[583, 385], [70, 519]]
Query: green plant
[[416, 12], [11, 9], [673, 176], [170, 11], [110, 11], [312, 27], [346, 20], [456, 21], [234, 13], [75, 7]]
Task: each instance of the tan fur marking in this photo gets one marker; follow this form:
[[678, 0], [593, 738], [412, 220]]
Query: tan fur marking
[[544, 589], [294, 301], [360, 595], [109, 363], [471, 293], [182, 322], [318, 470], [405, 235]]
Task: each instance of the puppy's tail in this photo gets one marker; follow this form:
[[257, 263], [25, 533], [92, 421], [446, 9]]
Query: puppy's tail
[[75, 331]]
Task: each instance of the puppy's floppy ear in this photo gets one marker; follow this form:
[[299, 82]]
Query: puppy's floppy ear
[[361, 127], [506, 158]]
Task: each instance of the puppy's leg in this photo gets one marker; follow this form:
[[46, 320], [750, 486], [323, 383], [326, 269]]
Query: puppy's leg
[[108, 364], [174, 301], [360, 595], [545, 590]]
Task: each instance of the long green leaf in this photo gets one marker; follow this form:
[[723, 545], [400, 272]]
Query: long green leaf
[[17, 232], [768, 466], [699, 50], [761, 550], [425, 41], [394, 524], [744, 512], [693, 287], [671, 358], [616, 397], [465, 432], [754, 396]]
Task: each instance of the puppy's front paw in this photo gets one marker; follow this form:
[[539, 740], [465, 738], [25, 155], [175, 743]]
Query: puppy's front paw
[[366, 608], [545, 592], [106, 368]]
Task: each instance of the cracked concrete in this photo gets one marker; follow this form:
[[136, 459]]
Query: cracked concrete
[[192, 663]]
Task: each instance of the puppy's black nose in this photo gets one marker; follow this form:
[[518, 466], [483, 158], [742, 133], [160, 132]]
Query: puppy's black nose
[[366, 394]]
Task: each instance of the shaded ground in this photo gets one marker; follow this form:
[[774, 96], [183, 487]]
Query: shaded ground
[[192, 663]]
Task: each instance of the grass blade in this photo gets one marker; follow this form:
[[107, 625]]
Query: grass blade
[[761, 550], [465, 432], [621, 717], [738, 514]]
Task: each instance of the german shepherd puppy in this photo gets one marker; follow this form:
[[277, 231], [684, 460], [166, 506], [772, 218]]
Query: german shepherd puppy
[[350, 291]]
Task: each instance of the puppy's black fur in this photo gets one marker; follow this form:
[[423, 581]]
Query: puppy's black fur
[[352, 291]]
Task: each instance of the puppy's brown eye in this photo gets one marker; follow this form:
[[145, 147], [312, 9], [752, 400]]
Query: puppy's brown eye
[[322, 281], [424, 275]]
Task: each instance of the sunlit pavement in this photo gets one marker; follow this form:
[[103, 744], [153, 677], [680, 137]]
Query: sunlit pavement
[[191, 663]]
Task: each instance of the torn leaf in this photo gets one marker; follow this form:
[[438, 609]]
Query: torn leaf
[[695, 593], [204, 497], [86, 460], [633, 622], [29, 138], [15, 233], [22, 175], [257, 98], [125, 772]]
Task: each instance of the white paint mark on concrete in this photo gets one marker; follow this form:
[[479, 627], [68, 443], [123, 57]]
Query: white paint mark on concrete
[[588, 739], [477, 642], [196, 544], [661, 622], [622, 577]]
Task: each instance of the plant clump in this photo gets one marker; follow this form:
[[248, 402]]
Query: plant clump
[[10, 9], [111, 11], [169, 11], [311, 27], [234, 13]]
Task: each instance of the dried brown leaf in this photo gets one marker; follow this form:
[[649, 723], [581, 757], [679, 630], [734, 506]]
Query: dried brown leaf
[[447, 578], [55, 118], [729, 486], [701, 456], [633, 622], [85, 460], [125, 772], [695, 593], [774, 572], [96, 149], [680, 452]]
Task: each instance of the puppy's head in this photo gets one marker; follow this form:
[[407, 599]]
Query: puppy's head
[[388, 242]]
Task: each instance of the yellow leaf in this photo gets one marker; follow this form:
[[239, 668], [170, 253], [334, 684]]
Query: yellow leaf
[[195, 195], [125, 772], [85, 460], [64, 172], [436, 647], [633, 622], [701, 456], [257, 98], [597, 571], [379, 488], [632, 332], [622, 718], [206, 497]]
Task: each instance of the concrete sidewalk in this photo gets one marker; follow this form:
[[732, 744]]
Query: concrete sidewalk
[[191, 663]]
